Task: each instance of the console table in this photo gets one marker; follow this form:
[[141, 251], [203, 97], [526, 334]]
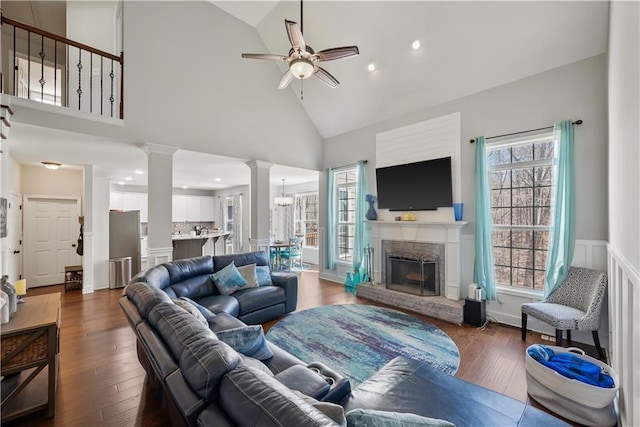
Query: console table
[[29, 348]]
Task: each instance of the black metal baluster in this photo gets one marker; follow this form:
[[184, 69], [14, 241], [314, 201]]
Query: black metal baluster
[[55, 71], [90, 82], [28, 64], [42, 81], [111, 98], [79, 91], [15, 65], [101, 84]]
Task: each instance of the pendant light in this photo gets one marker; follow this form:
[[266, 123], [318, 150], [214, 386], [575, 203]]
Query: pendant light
[[282, 200]]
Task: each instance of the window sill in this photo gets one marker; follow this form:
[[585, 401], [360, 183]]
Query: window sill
[[507, 290]]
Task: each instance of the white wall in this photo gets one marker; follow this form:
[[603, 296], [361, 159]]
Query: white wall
[[40, 181], [624, 203], [234, 110]]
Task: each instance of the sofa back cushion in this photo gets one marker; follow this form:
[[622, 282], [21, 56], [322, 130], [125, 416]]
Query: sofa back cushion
[[185, 268], [252, 398], [177, 328], [157, 276], [145, 297], [258, 258], [204, 362]]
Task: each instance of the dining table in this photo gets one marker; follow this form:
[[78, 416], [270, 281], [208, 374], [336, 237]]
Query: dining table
[[278, 247]]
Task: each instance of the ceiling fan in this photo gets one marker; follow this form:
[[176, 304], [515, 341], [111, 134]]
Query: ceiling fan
[[302, 60]]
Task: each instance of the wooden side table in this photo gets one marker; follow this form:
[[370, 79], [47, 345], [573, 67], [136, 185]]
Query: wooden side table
[[29, 349]]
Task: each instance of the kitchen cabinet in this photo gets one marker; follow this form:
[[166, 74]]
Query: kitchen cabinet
[[206, 209], [116, 201], [178, 208], [192, 208], [127, 201]]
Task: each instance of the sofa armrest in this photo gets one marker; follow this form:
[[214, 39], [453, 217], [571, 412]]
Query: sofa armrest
[[288, 282]]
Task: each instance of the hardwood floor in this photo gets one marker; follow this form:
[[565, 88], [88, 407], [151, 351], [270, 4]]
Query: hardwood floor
[[100, 381]]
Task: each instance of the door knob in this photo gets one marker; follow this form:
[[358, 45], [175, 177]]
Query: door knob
[[73, 246], [16, 252]]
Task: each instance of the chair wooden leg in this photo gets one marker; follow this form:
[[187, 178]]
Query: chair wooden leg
[[568, 337], [559, 337], [524, 326], [596, 341]]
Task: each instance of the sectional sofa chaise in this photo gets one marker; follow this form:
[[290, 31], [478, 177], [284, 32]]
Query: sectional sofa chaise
[[202, 381]]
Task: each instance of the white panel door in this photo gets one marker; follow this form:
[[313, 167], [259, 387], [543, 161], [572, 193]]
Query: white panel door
[[51, 237]]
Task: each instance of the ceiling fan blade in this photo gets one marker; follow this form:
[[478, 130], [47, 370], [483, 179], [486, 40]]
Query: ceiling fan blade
[[295, 35], [326, 78], [286, 79], [264, 56], [337, 53]]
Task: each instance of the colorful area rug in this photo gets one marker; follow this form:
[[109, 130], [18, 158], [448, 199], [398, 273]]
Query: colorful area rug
[[357, 340]]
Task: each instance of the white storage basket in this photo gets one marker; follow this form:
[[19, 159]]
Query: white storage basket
[[577, 401]]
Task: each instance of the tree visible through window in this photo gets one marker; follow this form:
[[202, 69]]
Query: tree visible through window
[[520, 176], [346, 181], [306, 218]]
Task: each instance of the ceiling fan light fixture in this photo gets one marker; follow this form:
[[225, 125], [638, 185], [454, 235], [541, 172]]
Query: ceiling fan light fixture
[[51, 165], [301, 68]]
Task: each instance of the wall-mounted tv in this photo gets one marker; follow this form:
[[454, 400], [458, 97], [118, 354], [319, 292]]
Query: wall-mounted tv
[[419, 186]]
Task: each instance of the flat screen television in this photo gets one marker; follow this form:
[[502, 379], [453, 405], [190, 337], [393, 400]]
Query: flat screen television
[[419, 186]]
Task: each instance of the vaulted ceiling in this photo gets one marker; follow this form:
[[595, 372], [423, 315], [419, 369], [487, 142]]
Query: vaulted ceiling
[[467, 47]]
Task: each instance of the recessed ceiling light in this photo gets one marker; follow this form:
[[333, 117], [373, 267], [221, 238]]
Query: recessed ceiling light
[[371, 66], [217, 179], [139, 172], [120, 182], [415, 45], [184, 187], [129, 178]]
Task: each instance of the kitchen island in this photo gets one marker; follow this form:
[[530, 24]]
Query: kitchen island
[[189, 246]]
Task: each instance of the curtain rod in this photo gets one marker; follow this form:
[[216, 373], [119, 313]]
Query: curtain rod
[[348, 165], [577, 122]]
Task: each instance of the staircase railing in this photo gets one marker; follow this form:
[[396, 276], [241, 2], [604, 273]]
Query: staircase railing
[[49, 68]]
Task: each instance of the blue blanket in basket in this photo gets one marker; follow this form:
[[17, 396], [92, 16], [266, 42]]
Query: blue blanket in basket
[[571, 365]]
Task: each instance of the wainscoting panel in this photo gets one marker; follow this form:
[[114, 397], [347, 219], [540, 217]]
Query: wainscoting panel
[[624, 336]]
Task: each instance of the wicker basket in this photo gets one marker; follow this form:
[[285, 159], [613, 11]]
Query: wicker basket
[[35, 351]]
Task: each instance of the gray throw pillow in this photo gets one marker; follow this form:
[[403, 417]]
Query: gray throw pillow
[[190, 308], [264, 275], [249, 274], [371, 417], [331, 410], [248, 340]]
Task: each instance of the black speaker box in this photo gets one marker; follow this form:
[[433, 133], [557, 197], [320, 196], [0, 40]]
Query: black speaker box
[[475, 312]]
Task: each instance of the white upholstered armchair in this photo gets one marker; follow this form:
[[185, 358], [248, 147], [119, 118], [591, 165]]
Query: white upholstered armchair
[[575, 305]]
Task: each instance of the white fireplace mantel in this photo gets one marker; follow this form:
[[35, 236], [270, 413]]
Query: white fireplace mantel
[[444, 232]]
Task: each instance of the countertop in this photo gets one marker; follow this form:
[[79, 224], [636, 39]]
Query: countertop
[[209, 235]]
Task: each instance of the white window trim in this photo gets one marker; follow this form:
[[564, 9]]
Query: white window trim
[[336, 171]]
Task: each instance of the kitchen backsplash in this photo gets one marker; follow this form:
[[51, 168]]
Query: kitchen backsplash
[[186, 227]]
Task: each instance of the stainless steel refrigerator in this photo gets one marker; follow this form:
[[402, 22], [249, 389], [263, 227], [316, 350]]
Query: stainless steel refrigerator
[[124, 237]]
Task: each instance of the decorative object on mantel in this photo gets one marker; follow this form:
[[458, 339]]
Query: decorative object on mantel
[[283, 200], [457, 211], [371, 214]]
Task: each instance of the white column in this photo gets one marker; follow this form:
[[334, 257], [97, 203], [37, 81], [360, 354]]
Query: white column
[[100, 220], [259, 189], [160, 191], [87, 237]]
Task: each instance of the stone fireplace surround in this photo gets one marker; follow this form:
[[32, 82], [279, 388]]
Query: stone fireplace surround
[[430, 251], [444, 235]]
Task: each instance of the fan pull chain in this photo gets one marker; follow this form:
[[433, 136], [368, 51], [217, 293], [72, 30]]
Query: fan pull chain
[[301, 89]]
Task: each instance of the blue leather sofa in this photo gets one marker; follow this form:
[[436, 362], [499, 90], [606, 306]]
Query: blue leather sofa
[[202, 381]]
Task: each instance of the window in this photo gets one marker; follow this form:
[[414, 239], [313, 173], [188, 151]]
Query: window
[[520, 177], [306, 218], [228, 215], [345, 181]]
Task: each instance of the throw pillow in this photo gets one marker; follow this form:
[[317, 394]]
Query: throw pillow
[[264, 275], [190, 309], [331, 410], [208, 315], [250, 275], [371, 417], [228, 279], [248, 340]]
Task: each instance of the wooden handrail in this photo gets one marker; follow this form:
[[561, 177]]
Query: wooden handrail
[[61, 39]]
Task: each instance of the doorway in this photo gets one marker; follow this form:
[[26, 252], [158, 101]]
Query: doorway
[[50, 238], [14, 250]]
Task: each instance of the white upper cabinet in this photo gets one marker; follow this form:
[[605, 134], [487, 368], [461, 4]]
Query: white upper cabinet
[[179, 208], [116, 201], [206, 208], [184, 208], [193, 208]]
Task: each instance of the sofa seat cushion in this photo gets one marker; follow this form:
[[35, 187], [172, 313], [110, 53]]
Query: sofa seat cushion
[[252, 398], [257, 298], [220, 304], [405, 385]]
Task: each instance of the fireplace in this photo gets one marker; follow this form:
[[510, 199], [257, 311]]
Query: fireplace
[[412, 274]]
